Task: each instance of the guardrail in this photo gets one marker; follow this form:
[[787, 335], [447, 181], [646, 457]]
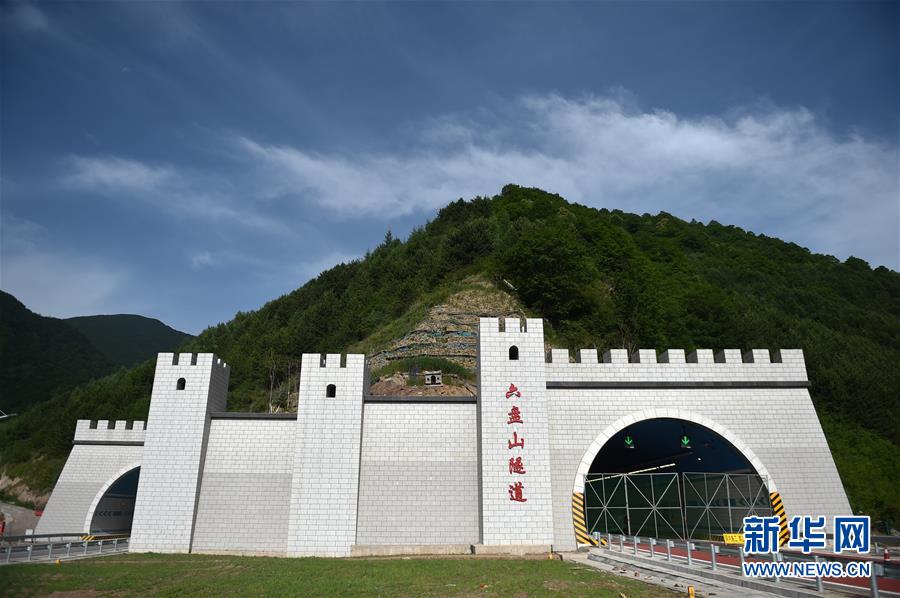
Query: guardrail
[[32, 538], [716, 555], [49, 551]]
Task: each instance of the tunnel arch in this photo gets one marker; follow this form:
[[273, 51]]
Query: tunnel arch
[[700, 509], [122, 474], [647, 414]]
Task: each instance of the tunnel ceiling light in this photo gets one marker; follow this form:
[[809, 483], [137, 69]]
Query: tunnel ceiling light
[[648, 469]]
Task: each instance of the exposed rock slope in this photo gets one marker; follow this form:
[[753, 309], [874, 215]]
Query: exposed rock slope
[[449, 329]]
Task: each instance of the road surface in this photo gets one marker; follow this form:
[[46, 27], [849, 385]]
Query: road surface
[[18, 519]]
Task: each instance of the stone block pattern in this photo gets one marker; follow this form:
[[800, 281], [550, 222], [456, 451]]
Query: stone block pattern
[[505, 522], [174, 446], [779, 427], [88, 471], [325, 484], [418, 475], [246, 487]]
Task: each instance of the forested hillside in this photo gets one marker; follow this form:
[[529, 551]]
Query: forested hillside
[[601, 279], [128, 339], [41, 355]]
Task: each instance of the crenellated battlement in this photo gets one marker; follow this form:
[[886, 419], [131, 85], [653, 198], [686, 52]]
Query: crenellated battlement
[[332, 361], [675, 365], [109, 431], [512, 326], [183, 360]]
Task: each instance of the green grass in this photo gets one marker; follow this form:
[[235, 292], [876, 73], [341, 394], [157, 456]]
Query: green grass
[[172, 575]]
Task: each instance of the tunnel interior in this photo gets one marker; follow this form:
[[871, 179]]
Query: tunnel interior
[[657, 446], [671, 478], [115, 510]]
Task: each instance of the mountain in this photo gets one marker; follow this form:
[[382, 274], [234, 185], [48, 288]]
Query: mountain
[[44, 355], [127, 339], [600, 278], [41, 355]]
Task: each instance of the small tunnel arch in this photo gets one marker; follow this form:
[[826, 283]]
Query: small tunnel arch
[[331, 391], [112, 511], [514, 353], [181, 384]]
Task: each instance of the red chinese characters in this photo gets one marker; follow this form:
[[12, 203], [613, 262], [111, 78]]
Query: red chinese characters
[[515, 492], [515, 442], [516, 463]]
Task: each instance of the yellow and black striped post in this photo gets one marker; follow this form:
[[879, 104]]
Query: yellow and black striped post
[[579, 519], [778, 509]]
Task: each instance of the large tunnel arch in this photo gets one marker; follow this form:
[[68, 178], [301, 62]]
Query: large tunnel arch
[[668, 473], [625, 422], [112, 509]]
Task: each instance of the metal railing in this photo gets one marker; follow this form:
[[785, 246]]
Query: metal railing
[[32, 538], [50, 551], [710, 554]]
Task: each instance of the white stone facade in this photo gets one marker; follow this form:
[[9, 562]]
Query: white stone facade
[[350, 470], [245, 493], [419, 474]]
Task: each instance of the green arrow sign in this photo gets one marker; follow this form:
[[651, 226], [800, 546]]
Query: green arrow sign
[[685, 441], [629, 442]]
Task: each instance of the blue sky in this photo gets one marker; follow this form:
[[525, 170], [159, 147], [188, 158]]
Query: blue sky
[[189, 160]]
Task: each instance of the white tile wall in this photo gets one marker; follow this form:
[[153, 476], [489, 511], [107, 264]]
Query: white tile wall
[[419, 474], [246, 488]]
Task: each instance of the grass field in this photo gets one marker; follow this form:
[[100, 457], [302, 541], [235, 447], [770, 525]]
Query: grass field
[[227, 575]]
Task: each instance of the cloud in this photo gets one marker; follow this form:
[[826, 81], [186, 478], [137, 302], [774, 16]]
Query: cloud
[[116, 174], [58, 281], [180, 193], [771, 170], [27, 17], [776, 171], [202, 259]]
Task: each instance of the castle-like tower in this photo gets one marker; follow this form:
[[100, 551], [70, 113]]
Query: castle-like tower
[[514, 417], [187, 389]]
